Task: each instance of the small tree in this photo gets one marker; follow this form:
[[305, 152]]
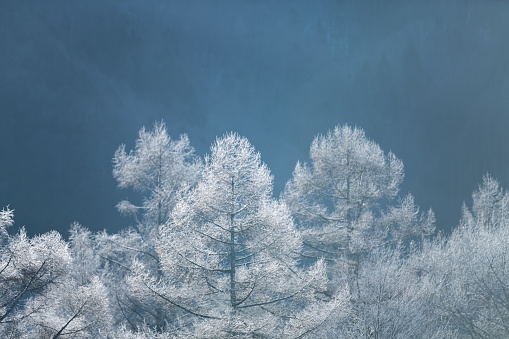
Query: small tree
[[6, 220], [158, 167]]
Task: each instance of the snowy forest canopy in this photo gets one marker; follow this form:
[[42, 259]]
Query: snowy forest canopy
[[211, 252]]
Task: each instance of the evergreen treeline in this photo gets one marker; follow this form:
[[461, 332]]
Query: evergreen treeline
[[211, 252]]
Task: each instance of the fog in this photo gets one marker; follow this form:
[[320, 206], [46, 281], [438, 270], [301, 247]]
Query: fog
[[427, 80]]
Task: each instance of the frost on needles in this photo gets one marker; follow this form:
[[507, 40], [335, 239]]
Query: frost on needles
[[211, 253]]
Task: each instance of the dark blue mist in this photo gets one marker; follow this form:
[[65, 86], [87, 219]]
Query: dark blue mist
[[425, 79]]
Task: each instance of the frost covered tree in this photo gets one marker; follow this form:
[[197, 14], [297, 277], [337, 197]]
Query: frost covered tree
[[161, 169], [74, 310], [470, 271], [6, 220], [490, 209], [229, 255], [342, 201], [101, 262], [30, 269], [117, 253], [41, 294], [393, 301], [158, 167]]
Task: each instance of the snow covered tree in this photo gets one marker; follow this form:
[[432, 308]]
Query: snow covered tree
[[107, 258], [30, 268], [162, 169], [490, 209], [6, 220], [341, 202], [393, 302], [470, 271], [117, 253], [87, 261], [74, 310], [158, 167], [229, 254]]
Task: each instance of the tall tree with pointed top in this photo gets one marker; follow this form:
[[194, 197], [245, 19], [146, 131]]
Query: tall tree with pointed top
[[230, 252]]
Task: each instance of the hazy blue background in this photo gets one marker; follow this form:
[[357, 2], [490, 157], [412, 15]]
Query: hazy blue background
[[425, 79]]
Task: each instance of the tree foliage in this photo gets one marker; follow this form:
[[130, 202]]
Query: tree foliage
[[159, 167], [162, 169], [469, 272], [339, 199], [213, 254], [230, 251]]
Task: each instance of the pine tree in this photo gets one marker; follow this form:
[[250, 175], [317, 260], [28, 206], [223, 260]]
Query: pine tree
[[230, 254]]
